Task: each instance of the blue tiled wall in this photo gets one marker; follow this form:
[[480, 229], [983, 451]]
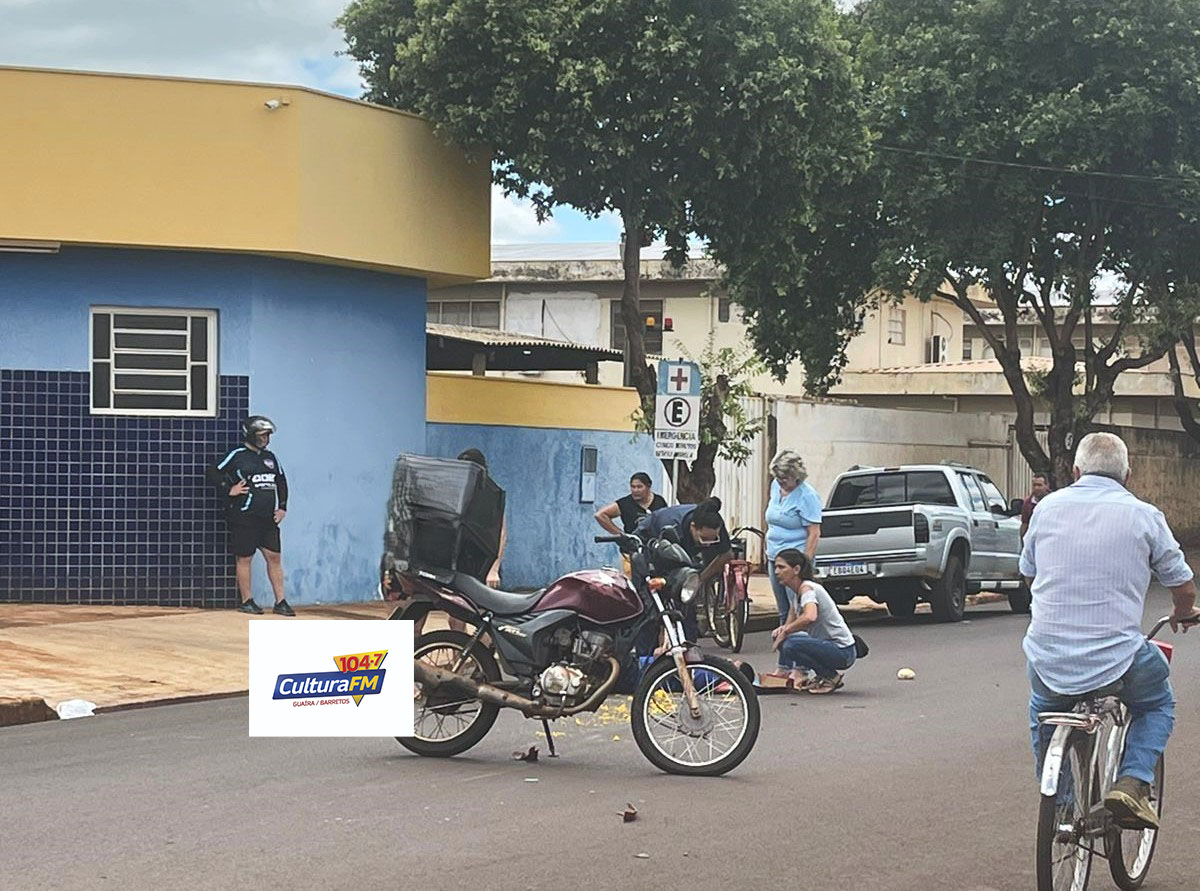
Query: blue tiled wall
[[337, 361], [108, 510]]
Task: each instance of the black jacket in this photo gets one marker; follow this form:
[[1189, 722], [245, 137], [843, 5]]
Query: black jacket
[[262, 472]]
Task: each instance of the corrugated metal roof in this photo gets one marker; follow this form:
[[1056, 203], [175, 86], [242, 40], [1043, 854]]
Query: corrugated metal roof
[[494, 337]]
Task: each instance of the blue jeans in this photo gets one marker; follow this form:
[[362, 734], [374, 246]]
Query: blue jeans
[[780, 592], [802, 650], [1148, 696]]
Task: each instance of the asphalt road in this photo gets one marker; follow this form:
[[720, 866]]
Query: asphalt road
[[889, 785]]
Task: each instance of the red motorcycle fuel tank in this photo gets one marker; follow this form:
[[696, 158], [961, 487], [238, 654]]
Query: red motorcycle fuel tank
[[599, 595]]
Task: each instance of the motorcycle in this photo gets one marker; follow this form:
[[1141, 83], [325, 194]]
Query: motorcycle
[[563, 649]]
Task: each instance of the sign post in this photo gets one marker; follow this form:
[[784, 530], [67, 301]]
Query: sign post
[[677, 415]]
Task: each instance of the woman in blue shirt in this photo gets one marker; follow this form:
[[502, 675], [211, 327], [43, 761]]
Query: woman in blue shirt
[[793, 518]]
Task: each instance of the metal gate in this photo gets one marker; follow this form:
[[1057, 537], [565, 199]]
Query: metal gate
[[1020, 474], [743, 488]]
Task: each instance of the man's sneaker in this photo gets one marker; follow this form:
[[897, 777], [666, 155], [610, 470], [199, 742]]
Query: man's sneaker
[[249, 606], [282, 608], [1129, 803]]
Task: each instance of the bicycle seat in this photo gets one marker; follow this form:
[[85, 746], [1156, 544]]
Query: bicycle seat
[[502, 603]]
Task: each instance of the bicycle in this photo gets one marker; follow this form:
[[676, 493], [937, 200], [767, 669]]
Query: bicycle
[[1079, 768], [727, 597]]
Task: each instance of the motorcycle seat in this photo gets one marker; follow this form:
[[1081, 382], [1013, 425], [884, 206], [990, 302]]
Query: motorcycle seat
[[502, 603]]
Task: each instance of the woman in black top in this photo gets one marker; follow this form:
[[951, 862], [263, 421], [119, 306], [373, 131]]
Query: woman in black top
[[640, 501]]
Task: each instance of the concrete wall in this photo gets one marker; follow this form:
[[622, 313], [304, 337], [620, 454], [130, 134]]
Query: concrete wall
[[832, 437], [1165, 470], [549, 531], [335, 356], [532, 434]]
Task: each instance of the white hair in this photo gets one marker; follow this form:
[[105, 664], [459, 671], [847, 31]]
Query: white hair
[[1103, 454], [789, 465]]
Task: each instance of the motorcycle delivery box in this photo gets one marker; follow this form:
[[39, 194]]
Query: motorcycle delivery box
[[443, 516]]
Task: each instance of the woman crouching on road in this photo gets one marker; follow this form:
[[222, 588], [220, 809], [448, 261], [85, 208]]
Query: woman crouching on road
[[815, 636]]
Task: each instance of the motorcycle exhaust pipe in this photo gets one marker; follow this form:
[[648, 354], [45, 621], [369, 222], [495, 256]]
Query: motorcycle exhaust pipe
[[428, 676]]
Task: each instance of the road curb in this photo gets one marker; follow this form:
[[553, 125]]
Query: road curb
[[25, 710], [170, 700]]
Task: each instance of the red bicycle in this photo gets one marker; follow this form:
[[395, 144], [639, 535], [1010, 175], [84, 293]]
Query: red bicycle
[[727, 597]]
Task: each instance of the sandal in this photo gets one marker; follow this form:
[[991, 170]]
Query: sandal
[[826, 685], [803, 684]]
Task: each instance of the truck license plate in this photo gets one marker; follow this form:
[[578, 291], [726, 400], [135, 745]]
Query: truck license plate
[[838, 569]]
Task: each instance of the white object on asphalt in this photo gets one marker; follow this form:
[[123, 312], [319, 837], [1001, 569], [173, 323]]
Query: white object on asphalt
[[531, 779], [905, 674], [76, 708]]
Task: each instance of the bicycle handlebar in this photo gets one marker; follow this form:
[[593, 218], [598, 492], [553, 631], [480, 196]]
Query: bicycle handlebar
[[1165, 620], [740, 529]]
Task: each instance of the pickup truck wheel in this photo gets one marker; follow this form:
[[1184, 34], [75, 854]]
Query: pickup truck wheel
[[902, 606], [1019, 601], [948, 596]]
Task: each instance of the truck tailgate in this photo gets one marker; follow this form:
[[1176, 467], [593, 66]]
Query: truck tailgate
[[852, 533]]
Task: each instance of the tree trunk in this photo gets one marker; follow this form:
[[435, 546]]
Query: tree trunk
[[1060, 386], [1183, 407], [638, 373]]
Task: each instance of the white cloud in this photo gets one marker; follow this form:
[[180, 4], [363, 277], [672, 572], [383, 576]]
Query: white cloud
[[514, 221], [288, 41]]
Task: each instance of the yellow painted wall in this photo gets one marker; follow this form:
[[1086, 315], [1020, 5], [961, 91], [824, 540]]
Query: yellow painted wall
[[155, 162], [508, 402]]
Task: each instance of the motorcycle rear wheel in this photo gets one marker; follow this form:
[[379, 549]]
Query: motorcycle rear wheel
[[676, 743], [449, 725]]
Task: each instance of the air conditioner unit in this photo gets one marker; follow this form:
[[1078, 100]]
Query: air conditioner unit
[[937, 348]]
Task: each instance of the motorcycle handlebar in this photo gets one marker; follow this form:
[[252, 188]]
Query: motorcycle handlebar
[[608, 539]]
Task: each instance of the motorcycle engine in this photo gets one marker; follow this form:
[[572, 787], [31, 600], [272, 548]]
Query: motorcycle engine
[[578, 655]]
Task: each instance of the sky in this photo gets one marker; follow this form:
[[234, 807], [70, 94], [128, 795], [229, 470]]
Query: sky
[[276, 41]]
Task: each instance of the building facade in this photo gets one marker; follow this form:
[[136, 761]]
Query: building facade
[[175, 255], [572, 293]]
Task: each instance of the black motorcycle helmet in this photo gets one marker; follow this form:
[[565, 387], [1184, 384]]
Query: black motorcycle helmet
[[254, 425]]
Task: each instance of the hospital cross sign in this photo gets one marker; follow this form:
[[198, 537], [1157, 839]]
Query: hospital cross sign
[[677, 411]]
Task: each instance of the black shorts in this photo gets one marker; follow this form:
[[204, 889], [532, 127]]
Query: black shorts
[[247, 535]]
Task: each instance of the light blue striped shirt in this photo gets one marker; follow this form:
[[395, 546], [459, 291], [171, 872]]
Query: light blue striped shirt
[[1090, 550]]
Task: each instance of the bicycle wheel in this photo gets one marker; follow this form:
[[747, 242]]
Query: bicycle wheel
[[739, 617], [1130, 850], [717, 611], [1064, 855]]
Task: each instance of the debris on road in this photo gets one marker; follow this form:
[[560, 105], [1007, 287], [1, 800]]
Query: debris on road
[[642, 856], [530, 756], [76, 708], [629, 814], [905, 674], [531, 779]]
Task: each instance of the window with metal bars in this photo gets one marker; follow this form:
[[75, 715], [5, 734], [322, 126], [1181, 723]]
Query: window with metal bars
[[154, 361]]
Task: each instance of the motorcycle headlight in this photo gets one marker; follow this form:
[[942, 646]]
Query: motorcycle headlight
[[690, 586]]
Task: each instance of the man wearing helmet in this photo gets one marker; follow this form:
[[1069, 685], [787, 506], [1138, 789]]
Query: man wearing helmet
[[255, 488]]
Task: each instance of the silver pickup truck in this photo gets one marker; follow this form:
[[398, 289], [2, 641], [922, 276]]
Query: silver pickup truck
[[933, 532]]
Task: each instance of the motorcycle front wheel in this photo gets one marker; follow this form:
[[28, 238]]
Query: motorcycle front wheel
[[676, 741], [447, 724]]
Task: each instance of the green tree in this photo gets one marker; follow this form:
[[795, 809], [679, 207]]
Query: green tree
[[1027, 151], [723, 119]]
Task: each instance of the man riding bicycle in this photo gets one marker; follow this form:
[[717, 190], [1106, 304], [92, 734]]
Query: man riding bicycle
[[1088, 558]]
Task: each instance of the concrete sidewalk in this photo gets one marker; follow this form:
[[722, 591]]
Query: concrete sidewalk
[[127, 656]]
